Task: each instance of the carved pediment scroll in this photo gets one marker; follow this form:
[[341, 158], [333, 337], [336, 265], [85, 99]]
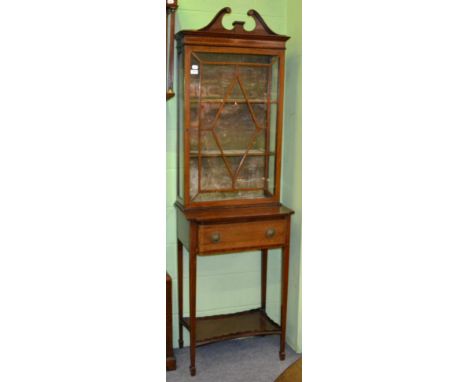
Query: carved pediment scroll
[[261, 28]]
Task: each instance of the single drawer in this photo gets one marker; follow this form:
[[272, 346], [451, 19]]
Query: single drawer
[[248, 235]]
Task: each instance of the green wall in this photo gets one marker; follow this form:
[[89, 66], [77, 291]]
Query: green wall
[[292, 165], [230, 283]]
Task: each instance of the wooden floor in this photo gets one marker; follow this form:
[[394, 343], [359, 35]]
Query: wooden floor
[[293, 373]]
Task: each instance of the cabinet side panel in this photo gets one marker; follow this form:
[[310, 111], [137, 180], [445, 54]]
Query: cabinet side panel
[[180, 124], [183, 229], [279, 129]]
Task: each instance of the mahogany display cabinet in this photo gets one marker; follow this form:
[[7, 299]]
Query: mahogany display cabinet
[[230, 113]]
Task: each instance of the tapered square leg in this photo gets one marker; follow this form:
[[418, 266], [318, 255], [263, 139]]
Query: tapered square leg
[[193, 297], [193, 324], [284, 299], [264, 277]]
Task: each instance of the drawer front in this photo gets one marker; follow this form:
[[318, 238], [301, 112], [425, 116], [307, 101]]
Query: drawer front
[[232, 236]]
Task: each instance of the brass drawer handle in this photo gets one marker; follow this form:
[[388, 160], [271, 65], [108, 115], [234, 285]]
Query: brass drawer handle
[[215, 237], [270, 232]]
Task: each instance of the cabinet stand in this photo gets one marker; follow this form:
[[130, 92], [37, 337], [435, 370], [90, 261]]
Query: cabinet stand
[[213, 231]]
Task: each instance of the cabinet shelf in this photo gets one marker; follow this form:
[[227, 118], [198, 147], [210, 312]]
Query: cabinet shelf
[[248, 323], [229, 153]]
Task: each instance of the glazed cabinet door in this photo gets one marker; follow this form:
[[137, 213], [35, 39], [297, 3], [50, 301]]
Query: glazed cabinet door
[[232, 128]]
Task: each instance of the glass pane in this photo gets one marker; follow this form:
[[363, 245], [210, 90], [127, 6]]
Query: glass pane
[[180, 119], [216, 80], [232, 133], [214, 174], [193, 177], [272, 131], [274, 87], [252, 173], [260, 113], [208, 112], [272, 147], [254, 80], [194, 113], [208, 145], [235, 127], [194, 78], [271, 175]]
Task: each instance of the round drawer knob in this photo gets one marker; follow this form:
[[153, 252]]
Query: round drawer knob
[[215, 237], [270, 232]]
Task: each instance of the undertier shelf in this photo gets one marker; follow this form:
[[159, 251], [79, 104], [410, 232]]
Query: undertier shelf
[[236, 325]]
